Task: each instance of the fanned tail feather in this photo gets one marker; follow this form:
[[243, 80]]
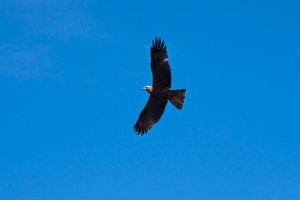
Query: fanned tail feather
[[177, 98]]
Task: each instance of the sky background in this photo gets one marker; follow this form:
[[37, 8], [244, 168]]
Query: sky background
[[71, 79]]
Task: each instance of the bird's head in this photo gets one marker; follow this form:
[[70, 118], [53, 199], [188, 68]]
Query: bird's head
[[148, 88]]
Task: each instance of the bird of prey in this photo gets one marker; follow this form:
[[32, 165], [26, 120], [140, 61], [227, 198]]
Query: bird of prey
[[160, 92]]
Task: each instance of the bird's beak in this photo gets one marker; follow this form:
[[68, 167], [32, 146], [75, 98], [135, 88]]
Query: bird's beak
[[144, 88]]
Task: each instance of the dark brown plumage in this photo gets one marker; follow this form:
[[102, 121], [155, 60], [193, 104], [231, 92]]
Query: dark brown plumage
[[160, 92]]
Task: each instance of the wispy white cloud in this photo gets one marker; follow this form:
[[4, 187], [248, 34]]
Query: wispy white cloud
[[58, 19], [20, 61], [40, 24]]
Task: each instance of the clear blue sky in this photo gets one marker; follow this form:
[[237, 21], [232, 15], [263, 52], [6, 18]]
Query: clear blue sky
[[71, 79]]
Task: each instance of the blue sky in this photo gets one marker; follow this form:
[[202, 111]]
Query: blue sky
[[71, 79]]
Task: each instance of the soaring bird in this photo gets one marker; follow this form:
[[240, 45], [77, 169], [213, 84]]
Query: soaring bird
[[160, 92]]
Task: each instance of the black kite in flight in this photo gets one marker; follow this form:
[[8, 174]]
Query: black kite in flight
[[160, 92]]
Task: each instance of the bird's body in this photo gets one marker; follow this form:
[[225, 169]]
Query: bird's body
[[160, 92]]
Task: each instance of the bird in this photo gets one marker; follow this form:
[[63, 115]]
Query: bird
[[160, 91]]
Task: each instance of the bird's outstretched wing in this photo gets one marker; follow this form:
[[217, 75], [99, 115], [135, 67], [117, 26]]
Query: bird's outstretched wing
[[151, 114], [161, 71]]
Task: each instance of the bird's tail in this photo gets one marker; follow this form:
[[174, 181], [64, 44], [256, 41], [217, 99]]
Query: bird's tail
[[177, 98]]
